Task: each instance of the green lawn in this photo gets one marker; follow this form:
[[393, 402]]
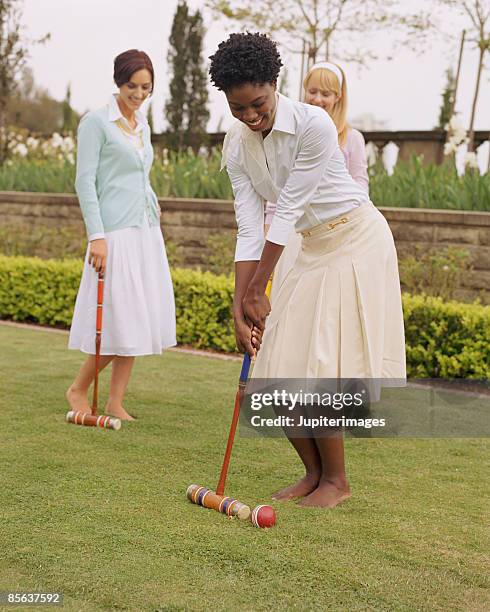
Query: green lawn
[[102, 516]]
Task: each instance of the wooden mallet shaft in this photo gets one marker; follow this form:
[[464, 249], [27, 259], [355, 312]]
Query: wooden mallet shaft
[[98, 337], [93, 419], [236, 413], [216, 500]]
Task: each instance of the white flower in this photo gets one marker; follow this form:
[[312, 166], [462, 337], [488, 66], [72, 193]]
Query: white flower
[[20, 149], [456, 131], [449, 147], [471, 160], [56, 140], [70, 158], [371, 153], [68, 144], [32, 142], [455, 124], [460, 137]]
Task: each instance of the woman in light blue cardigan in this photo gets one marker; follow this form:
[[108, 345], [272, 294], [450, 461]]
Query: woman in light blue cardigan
[[122, 218]]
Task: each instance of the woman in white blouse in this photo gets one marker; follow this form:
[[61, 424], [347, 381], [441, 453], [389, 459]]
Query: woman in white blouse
[[122, 217], [338, 313]]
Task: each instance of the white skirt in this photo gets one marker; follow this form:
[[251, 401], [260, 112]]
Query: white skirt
[[138, 315], [338, 311], [285, 263]]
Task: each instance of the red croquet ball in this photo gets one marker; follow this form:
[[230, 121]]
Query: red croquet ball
[[263, 516]]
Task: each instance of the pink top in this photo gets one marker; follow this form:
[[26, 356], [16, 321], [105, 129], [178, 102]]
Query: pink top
[[354, 152]]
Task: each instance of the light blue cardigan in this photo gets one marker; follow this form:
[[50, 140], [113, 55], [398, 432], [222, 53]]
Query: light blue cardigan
[[112, 182]]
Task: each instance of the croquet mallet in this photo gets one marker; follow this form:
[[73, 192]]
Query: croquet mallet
[[217, 500], [93, 419]]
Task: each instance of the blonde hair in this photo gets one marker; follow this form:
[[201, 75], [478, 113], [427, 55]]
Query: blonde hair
[[330, 82]]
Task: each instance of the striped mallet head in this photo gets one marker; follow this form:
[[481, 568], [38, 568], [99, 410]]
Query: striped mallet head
[[221, 503], [93, 420]]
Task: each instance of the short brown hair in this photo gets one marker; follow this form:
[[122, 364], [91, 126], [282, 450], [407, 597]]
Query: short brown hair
[[129, 62]]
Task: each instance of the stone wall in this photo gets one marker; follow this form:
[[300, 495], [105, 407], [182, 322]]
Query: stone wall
[[189, 223]]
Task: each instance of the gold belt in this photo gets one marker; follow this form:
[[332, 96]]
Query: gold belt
[[329, 226]]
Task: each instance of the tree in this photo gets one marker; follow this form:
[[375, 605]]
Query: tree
[[177, 60], [70, 117], [197, 103], [477, 13], [445, 112], [284, 81], [13, 55], [149, 117], [12, 58], [33, 108], [186, 109], [323, 27]]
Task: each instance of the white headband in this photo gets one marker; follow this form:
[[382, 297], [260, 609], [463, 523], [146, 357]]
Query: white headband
[[332, 67]]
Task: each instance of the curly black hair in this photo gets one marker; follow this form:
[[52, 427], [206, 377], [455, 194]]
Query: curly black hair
[[245, 58]]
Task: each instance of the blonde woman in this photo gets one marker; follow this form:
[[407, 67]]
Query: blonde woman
[[325, 86]]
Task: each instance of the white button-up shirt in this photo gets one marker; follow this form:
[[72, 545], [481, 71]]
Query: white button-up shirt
[[299, 165]]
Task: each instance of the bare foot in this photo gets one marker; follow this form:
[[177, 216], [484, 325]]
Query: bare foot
[[118, 412], [301, 488], [328, 494], [78, 400]]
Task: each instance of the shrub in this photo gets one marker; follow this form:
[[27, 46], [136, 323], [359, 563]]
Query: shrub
[[417, 185], [221, 253], [443, 339], [49, 175], [446, 339], [203, 304], [48, 242], [186, 174], [175, 254], [191, 175], [438, 273], [39, 291], [43, 241], [44, 292]]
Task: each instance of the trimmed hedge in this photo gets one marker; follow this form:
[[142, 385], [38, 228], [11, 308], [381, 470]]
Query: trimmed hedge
[[39, 290], [444, 339], [203, 311], [44, 291]]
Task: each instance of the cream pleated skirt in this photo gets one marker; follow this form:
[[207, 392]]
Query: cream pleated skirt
[[138, 316], [338, 311], [285, 263]]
